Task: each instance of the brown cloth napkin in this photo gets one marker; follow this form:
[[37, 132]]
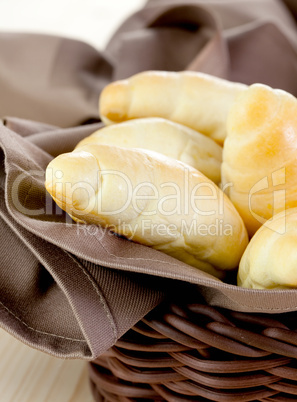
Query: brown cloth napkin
[[72, 290]]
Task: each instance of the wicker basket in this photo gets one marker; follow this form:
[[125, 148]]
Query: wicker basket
[[194, 352]]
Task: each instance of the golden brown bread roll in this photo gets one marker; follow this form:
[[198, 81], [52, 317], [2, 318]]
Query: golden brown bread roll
[[196, 100], [269, 261], [153, 200], [164, 136], [260, 154]]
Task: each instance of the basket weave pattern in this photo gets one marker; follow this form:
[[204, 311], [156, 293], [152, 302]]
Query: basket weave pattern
[[195, 352]]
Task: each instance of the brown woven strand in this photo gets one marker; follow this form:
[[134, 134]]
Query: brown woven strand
[[195, 352]]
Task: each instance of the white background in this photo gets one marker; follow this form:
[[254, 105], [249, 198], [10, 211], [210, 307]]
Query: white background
[[92, 21]]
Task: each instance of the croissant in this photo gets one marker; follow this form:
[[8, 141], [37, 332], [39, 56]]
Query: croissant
[[161, 135], [196, 100], [150, 199], [259, 169], [269, 261]]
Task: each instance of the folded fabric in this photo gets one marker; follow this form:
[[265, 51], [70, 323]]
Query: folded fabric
[[72, 290]]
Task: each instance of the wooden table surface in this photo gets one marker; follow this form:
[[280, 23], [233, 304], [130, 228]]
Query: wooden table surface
[[28, 375]]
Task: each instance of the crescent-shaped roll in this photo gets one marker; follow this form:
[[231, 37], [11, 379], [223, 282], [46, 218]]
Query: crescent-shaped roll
[[150, 199], [270, 260], [259, 169], [164, 136], [196, 100]]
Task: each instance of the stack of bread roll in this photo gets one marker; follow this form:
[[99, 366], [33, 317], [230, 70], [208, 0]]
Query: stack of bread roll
[[187, 164], [260, 160]]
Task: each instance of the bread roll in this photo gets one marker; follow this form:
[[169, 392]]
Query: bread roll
[[260, 154], [171, 139], [196, 100], [269, 261], [151, 199]]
